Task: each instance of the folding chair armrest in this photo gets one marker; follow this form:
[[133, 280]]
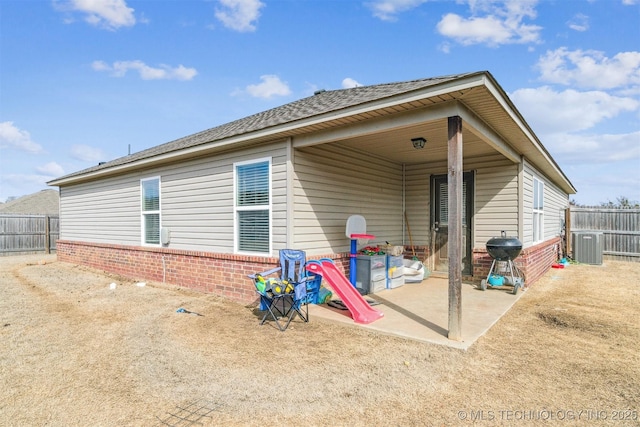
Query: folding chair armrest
[[265, 273]]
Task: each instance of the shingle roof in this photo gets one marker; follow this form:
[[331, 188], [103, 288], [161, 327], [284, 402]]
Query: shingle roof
[[321, 103], [42, 202]]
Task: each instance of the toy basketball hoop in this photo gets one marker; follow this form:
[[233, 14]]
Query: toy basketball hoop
[[357, 232], [362, 239], [357, 229]]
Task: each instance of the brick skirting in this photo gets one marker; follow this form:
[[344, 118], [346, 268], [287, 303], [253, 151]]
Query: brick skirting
[[226, 274], [533, 261], [217, 273]]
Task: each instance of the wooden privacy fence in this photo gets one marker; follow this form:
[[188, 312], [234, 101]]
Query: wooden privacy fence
[[21, 233], [620, 228]]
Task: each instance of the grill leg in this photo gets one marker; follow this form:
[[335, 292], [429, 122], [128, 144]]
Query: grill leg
[[493, 266], [513, 281], [516, 279], [483, 283]]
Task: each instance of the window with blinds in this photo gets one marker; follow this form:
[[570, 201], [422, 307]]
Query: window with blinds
[[444, 203], [150, 190], [253, 206]]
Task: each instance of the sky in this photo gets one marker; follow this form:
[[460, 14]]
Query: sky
[[85, 81]]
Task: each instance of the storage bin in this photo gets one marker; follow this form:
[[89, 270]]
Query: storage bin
[[378, 284], [371, 273], [395, 283], [395, 271]]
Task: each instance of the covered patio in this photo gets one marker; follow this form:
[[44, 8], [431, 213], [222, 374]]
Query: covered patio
[[419, 311]]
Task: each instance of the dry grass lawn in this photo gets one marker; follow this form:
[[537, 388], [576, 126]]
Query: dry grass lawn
[[77, 353]]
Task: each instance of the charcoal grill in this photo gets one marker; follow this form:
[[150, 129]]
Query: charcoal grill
[[504, 250]]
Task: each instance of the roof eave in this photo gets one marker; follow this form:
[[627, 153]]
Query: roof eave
[[467, 81], [289, 128]]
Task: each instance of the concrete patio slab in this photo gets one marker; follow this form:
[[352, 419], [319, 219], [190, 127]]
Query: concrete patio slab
[[420, 311]]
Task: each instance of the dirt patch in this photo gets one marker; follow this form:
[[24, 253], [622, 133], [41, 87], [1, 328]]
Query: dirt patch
[[81, 347], [578, 321]]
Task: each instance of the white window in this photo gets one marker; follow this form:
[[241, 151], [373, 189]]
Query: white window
[[150, 210], [252, 181], [538, 210]]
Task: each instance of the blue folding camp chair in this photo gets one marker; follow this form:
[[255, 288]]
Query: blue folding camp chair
[[289, 294], [293, 268]]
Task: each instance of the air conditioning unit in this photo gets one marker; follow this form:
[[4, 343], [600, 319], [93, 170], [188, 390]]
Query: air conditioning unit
[[588, 247]]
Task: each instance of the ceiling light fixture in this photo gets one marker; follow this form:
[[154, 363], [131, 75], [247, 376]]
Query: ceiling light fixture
[[418, 143]]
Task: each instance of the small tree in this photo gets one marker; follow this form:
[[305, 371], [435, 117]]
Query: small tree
[[621, 202]]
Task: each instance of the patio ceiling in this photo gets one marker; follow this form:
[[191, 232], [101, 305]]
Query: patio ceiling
[[490, 124], [395, 145], [387, 132]]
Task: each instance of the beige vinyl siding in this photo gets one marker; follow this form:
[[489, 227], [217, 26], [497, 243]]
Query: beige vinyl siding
[[496, 202], [196, 203], [333, 183], [527, 203], [418, 203], [555, 202], [105, 211]]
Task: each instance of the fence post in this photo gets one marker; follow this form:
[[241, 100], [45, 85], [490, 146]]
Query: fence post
[[47, 234], [567, 230]]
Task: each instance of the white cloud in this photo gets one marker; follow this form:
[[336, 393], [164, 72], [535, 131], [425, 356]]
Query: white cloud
[[51, 169], [595, 149], [108, 14], [590, 68], [23, 184], [163, 72], [579, 22], [100, 66], [271, 86], [87, 153], [349, 83], [445, 47], [387, 10], [549, 111], [239, 15], [493, 23], [14, 137], [597, 188], [630, 2]]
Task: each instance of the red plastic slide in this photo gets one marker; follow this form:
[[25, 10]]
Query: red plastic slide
[[361, 311]]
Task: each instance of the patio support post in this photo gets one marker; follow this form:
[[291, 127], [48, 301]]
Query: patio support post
[[454, 188]]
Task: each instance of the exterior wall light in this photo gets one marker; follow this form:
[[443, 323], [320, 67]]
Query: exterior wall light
[[418, 143]]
